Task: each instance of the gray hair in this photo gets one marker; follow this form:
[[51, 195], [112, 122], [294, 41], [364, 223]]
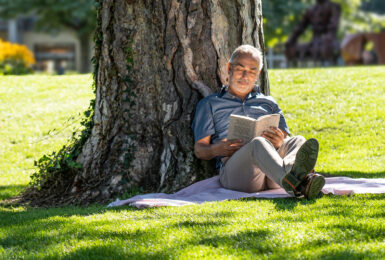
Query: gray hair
[[248, 50]]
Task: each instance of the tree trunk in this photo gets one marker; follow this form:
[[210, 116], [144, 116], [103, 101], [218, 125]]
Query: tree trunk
[[156, 60], [84, 50]]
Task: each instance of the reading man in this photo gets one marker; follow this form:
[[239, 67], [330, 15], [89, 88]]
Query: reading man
[[270, 161]]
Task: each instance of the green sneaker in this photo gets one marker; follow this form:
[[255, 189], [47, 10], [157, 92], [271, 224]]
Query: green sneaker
[[304, 163], [312, 185]]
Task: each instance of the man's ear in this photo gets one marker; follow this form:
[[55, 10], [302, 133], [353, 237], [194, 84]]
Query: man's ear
[[228, 67]]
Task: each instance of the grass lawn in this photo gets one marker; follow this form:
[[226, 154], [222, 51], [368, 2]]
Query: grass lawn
[[341, 107]]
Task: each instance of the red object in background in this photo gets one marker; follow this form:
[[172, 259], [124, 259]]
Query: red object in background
[[353, 48]]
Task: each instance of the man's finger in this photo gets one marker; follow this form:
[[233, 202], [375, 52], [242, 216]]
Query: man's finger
[[272, 138], [233, 148], [236, 145], [269, 134], [267, 137], [276, 130], [234, 141]]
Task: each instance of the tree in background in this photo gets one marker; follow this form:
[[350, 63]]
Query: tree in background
[[281, 16], [356, 18], [78, 16], [375, 6]]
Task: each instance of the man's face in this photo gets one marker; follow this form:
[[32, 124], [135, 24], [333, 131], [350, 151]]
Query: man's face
[[243, 73]]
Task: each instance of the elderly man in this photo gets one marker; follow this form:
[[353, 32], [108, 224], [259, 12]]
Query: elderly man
[[270, 161]]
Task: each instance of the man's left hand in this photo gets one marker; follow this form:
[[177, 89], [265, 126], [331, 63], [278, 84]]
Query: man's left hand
[[275, 136]]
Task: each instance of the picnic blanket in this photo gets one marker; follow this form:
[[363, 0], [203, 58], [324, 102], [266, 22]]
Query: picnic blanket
[[211, 190]]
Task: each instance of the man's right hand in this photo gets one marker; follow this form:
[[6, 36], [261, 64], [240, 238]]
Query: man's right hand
[[227, 148], [206, 151]]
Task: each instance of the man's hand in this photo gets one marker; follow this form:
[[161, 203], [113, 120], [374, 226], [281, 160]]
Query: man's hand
[[206, 151], [275, 136], [228, 147]]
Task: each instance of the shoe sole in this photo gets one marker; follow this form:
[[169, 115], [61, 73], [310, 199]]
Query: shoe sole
[[305, 161], [314, 187], [306, 158]]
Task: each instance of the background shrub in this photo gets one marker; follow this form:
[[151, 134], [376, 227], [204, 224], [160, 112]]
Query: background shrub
[[15, 59]]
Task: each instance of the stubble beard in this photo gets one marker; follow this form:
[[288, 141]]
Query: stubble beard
[[239, 86]]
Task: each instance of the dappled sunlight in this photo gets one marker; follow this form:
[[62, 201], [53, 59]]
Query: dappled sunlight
[[233, 228]]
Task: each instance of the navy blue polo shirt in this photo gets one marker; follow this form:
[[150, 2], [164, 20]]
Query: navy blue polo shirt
[[213, 112]]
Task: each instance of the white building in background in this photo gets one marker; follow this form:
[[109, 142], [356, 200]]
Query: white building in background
[[52, 51]]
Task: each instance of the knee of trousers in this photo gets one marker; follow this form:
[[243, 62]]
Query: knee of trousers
[[258, 141], [299, 139]]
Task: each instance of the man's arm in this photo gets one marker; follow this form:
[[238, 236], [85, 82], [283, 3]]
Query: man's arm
[[206, 151]]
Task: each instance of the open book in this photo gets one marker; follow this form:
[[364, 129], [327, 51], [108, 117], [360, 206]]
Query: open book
[[246, 128]]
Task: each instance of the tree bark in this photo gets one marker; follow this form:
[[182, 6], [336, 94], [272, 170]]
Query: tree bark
[[156, 60]]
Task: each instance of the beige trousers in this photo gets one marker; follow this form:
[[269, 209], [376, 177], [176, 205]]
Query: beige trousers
[[258, 166]]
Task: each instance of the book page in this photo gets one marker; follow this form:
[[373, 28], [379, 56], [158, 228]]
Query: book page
[[241, 127], [264, 122]]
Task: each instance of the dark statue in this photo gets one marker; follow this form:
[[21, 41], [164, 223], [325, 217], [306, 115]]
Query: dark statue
[[323, 17]]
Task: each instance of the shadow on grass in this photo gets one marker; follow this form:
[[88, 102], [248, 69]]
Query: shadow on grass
[[354, 174], [255, 241], [151, 231], [28, 225], [114, 252], [348, 254], [30, 215], [264, 242], [112, 236], [358, 231], [54, 226], [37, 237], [9, 191], [284, 204], [200, 224]]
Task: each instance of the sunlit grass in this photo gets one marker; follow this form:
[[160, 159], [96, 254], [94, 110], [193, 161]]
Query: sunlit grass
[[331, 227], [342, 108], [37, 116]]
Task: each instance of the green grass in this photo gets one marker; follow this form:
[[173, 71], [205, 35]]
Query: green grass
[[36, 118], [344, 109], [341, 107]]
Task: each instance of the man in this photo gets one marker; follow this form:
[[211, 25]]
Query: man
[[270, 161]]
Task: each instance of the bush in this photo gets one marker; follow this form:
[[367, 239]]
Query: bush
[[15, 59]]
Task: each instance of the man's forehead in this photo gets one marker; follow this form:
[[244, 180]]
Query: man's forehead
[[246, 59]]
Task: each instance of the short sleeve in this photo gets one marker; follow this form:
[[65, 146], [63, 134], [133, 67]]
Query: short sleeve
[[203, 124], [282, 122]]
